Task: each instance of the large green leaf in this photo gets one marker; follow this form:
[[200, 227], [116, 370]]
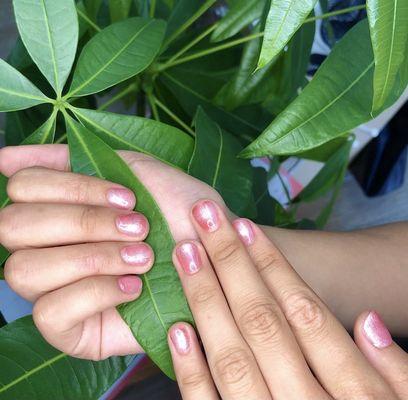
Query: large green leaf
[[162, 302], [123, 132], [119, 9], [240, 15], [49, 30], [31, 369], [336, 100], [45, 133], [388, 20], [16, 91], [118, 52], [214, 161], [284, 19]]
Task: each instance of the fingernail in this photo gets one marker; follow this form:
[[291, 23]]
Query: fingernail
[[205, 213], [132, 224], [189, 258], [121, 198], [244, 230], [376, 331], [130, 284], [180, 339], [138, 254]]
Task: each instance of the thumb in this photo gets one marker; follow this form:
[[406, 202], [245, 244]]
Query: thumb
[[375, 342], [15, 158]]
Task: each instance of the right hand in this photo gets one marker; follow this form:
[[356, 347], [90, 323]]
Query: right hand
[[68, 255]]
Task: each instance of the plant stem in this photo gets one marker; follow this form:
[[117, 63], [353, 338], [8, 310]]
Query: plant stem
[[152, 8], [61, 139], [155, 112], [88, 20], [173, 116], [190, 45], [118, 96], [248, 38]]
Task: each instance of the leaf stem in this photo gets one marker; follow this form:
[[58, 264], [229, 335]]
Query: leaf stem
[[248, 38], [154, 107], [152, 8], [118, 96], [159, 104], [88, 20]]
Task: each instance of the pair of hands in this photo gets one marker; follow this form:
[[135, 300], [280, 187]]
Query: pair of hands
[[77, 250]]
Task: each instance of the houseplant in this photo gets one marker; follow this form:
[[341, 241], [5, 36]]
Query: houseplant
[[236, 85]]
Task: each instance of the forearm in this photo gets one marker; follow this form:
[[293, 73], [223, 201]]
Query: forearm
[[354, 271]]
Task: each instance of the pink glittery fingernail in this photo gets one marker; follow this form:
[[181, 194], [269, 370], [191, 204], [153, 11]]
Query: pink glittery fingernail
[[245, 231], [121, 198], [134, 224], [130, 284], [206, 214], [189, 258], [181, 339], [138, 254], [376, 331]]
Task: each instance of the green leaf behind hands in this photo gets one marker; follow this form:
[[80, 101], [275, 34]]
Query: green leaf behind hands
[[162, 302], [119, 9], [117, 53], [122, 132], [214, 161], [31, 369], [388, 20], [49, 30]]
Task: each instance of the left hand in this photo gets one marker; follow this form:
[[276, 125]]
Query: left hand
[[265, 333]]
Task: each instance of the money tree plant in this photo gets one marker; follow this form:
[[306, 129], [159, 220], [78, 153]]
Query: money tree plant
[[205, 86]]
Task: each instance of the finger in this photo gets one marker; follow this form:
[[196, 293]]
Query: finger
[[375, 342], [256, 312], [61, 315], [329, 350], [32, 273], [24, 225], [15, 158], [231, 362], [193, 376], [41, 185]]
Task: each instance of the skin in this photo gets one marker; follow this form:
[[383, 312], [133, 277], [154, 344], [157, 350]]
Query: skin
[[65, 240], [275, 330]]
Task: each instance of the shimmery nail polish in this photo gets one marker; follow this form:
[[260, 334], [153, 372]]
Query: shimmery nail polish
[[121, 198], [245, 231], [189, 258], [132, 224], [376, 331], [130, 284], [206, 214], [138, 254], [181, 339]]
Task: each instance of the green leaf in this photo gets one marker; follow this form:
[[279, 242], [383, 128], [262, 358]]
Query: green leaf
[[34, 370], [117, 53], [214, 161], [45, 133], [191, 99], [284, 19], [92, 8], [119, 9], [162, 302], [16, 91], [336, 100], [388, 21], [49, 30], [122, 132], [240, 15]]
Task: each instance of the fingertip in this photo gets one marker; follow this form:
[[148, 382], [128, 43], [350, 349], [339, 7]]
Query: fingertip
[[121, 197], [244, 228], [139, 255], [181, 337], [130, 285], [370, 327]]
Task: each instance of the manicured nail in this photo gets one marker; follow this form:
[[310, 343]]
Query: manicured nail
[[189, 258], [245, 231], [121, 198], [376, 331], [138, 254], [132, 224], [181, 339], [130, 284], [205, 213]]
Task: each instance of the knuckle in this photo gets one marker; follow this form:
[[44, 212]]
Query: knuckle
[[87, 220], [233, 367], [93, 262], [268, 262], [42, 315], [16, 271], [262, 320], [305, 313], [361, 390], [93, 289], [204, 295], [227, 251], [77, 190], [195, 380]]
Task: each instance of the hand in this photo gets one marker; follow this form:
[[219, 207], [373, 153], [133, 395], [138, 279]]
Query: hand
[[265, 333], [68, 254]]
